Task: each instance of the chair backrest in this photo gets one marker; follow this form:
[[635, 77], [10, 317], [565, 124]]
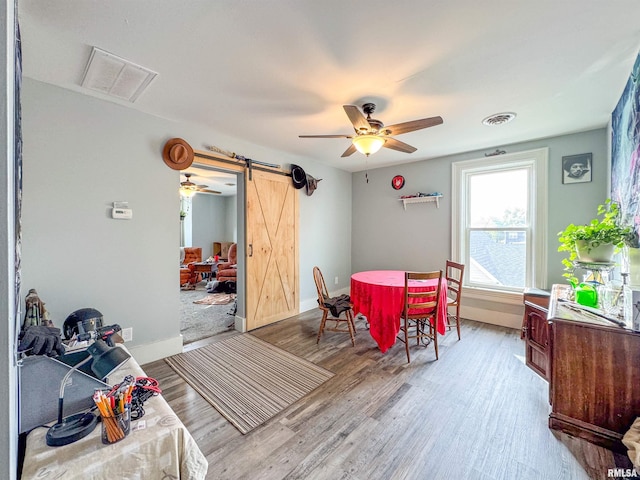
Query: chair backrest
[[419, 299], [454, 274], [192, 254], [233, 254], [321, 287]]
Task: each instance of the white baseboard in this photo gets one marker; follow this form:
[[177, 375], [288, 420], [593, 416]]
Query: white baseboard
[[310, 304], [493, 317], [240, 324], [151, 352]]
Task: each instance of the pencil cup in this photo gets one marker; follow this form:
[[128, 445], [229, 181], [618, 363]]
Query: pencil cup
[[116, 427]]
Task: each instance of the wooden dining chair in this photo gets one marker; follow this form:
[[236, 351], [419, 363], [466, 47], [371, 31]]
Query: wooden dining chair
[[454, 273], [332, 309], [415, 323]]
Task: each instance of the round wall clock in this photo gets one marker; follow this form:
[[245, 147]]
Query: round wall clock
[[397, 182]]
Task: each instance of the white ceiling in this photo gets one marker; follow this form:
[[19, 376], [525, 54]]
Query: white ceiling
[[268, 71], [209, 179]]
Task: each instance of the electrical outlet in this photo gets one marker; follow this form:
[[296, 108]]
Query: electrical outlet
[[127, 334], [336, 280]]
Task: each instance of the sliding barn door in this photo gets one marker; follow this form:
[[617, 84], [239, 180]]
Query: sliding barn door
[[272, 249]]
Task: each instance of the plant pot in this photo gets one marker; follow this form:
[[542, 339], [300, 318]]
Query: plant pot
[[602, 252]]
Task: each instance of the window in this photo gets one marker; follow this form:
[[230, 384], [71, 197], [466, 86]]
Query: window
[[499, 224]]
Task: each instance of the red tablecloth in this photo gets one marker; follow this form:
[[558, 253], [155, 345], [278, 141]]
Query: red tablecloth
[[379, 296]]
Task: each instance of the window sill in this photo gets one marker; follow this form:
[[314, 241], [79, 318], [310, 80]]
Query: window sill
[[498, 296]]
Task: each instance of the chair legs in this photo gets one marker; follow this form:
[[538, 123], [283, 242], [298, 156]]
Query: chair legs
[[458, 324], [420, 325], [406, 339], [434, 336], [322, 323], [351, 326], [454, 318]]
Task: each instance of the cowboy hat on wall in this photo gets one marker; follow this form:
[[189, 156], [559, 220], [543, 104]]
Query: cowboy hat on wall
[[301, 179]]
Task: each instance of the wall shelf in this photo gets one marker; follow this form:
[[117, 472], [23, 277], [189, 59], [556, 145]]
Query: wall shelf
[[428, 199]]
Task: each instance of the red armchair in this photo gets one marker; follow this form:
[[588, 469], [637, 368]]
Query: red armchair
[[187, 271], [227, 271]]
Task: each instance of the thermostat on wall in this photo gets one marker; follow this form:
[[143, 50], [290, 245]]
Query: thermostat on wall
[[121, 211]]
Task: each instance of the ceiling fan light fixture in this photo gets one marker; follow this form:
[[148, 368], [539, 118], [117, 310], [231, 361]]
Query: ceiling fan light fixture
[[187, 191], [368, 144]]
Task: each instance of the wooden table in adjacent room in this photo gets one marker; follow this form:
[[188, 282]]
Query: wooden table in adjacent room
[[379, 296], [206, 268]]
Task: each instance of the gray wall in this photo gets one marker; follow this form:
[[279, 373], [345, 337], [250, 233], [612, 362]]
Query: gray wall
[[81, 154], [212, 221], [231, 214], [387, 237], [325, 231]]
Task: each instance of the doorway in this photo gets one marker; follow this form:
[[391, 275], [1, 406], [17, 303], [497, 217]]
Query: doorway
[[209, 212], [267, 240]]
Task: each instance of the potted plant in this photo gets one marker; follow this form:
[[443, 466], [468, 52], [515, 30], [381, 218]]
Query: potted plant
[[595, 242], [182, 214]]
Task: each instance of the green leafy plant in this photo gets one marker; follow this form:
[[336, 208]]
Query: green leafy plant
[[603, 230]]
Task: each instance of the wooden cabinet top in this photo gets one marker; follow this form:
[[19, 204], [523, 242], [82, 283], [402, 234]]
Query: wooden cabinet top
[[563, 309]]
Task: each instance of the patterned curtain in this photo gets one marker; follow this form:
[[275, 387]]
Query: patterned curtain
[[17, 172]]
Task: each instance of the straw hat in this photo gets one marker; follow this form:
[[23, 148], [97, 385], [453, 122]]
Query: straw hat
[[177, 154]]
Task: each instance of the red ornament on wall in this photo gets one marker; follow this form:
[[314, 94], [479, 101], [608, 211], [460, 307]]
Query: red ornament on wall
[[397, 182]]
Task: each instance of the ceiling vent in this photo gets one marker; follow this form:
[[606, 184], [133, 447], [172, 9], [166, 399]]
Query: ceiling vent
[[499, 119], [115, 76]]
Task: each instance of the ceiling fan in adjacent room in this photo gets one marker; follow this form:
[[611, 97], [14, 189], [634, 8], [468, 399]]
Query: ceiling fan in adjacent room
[[189, 189], [371, 134]]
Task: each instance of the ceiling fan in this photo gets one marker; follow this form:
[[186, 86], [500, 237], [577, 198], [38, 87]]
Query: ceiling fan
[[189, 189], [371, 134]]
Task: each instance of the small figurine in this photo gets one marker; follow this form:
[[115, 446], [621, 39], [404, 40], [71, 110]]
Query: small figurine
[[35, 313]]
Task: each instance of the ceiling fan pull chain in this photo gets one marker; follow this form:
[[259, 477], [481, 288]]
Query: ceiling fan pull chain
[[366, 169]]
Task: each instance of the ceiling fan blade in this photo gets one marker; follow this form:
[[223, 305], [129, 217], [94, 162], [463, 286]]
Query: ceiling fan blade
[[349, 151], [202, 186], [325, 136], [210, 191], [406, 127], [358, 120], [394, 144]]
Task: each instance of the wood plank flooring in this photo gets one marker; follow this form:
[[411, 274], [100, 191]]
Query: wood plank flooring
[[477, 413]]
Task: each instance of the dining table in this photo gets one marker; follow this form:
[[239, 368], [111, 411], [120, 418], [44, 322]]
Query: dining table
[[379, 296]]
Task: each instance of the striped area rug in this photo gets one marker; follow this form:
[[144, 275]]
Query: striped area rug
[[246, 379]]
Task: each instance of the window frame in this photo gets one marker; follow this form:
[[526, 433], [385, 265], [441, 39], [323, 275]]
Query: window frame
[[537, 162]]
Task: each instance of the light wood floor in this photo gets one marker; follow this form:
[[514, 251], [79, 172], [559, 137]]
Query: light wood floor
[[477, 413]]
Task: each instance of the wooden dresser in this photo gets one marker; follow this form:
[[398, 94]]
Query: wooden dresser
[[595, 375], [535, 330]]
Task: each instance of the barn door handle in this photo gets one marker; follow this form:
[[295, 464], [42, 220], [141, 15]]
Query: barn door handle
[[251, 249]]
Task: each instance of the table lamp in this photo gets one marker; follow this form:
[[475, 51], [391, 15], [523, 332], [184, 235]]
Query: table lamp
[[106, 360]]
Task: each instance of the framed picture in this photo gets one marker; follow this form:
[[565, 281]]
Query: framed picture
[[576, 168]]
